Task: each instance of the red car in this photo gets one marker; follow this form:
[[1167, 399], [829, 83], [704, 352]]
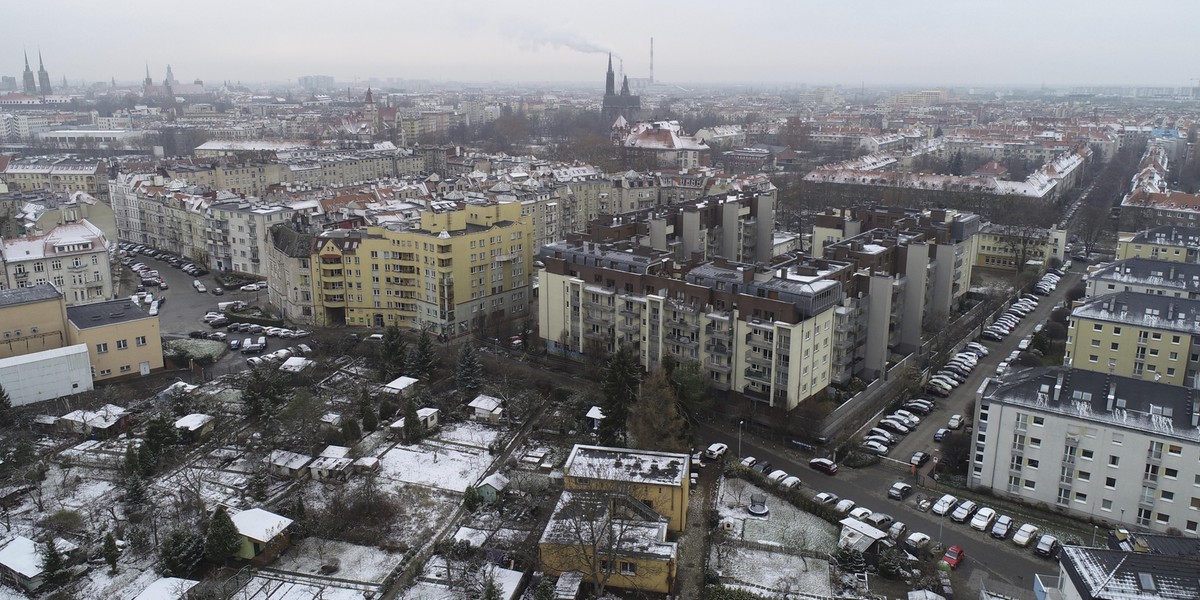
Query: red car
[[954, 556]]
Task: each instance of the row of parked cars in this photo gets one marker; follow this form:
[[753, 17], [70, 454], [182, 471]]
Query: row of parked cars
[[956, 371], [278, 356], [986, 519], [175, 261], [891, 429], [1012, 317], [215, 319]]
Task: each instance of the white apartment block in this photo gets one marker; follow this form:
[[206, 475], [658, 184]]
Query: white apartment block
[[762, 333], [1119, 450], [238, 233], [73, 256], [1146, 276]]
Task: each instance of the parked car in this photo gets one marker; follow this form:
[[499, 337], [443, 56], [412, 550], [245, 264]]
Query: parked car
[[749, 461], [896, 531], [941, 434], [917, 543], [875, 447], [777, 476], [944, 505], [235, 344], [823, 465], [954, 556], [919, 459], [964, 511], [826, 498], [1025, 534], [790, 483], [715, 451], [983, 519], [218, 291], [861, 513], [899, 490], [844, 506], [1002, 527], [1047, 546], [956, 422]]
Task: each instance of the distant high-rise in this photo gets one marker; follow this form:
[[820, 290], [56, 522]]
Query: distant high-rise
[[623, 104], [43, 77], [30, 83]]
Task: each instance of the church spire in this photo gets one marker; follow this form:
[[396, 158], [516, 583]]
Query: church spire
[[625, 85], [41, 66], [27, 60], [610, 83]]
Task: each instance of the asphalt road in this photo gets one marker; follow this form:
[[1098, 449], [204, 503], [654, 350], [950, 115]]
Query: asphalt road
[[185, 307], [998, 559]]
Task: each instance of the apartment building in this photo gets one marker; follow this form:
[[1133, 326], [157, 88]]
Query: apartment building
[[1015, 248], [72, 256], [61, 174], [1095, 445], [32, 319], [122, 340], [245, 178], [1142, 336], [738, 227], [463, 267], [289, 273], [760, 332], [659, 480], [238, 233], [1167, 242], [1165, 572], [168, 215], [1146, 276]]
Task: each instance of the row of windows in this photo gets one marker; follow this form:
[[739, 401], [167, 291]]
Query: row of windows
[[102, 347], [56, 264]]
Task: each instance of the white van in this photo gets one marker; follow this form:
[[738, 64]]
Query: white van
[[235, 306]]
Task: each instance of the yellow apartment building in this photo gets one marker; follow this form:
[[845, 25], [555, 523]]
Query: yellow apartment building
[[122, 340], [660, 480], [1169, 242], [462, 268], [1142, 336], [32, 319]]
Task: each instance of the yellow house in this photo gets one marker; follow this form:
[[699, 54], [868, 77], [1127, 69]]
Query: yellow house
[[264, 535], [612, 539], [1143, 336], [32, 319], [660, 480], [122, 340], [1169, 242]]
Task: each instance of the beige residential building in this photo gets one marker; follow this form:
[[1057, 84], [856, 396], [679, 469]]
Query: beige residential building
[[1146, 276], [1141, 336], [62, 174], [289, 273], [1169, 242], [122, 340], [238, 233], [463, 268], [72, 256], [1011, 248], [32, 319]]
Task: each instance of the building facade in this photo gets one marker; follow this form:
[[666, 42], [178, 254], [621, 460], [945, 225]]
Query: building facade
[[461, 269], [1141, 336], [122, 340], [1146, 276], [34, 319], [1097, 446], [74, 257], [1168, 242]]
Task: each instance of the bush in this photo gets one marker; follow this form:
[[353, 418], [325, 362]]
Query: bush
[[858, 460]]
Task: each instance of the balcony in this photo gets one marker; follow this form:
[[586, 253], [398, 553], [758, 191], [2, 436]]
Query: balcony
[[632, 314], [720, 367], [595, 319], [682, 340], [718, 385], [725, 335], [758, 375], [629, 326], [716, 348], [683, 324], [758, 359], [755, 341]]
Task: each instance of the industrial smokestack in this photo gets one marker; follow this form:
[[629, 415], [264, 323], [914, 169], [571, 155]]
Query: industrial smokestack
[[651, 61]]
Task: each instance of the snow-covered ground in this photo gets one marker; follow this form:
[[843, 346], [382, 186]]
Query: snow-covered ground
[[450, 461], [761, 569], [357, 563], [263, 588], [785, 525]]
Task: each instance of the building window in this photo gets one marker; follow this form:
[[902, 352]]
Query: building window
[[1143, 517], [628, 568], [1080, 497], [56, 264], [1086, 454], [1110, 483], [101, 348], [122, 344], [105, 372], [125, 368], [1030, 484], [1106, 504], [140, 340], [1114, 460]]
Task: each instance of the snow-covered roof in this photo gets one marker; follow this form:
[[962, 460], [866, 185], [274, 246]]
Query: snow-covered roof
[[335, 452], [595, 412], [296, 364], [639, 538], [485, 403], [21, 555], [624, 464], [193, 421], [1119, 575], [260, 525], [288, 459], [496, 480], [858, 535], [399, 384], [166, 588], [102, 418]]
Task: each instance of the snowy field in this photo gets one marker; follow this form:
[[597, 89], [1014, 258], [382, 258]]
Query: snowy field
[[263, 588], [782, 574], [433, 463], [785, 525], [476, 435], [357, 563]]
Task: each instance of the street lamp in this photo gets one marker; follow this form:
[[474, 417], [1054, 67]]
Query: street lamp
[[1094, 528], [740, 423]]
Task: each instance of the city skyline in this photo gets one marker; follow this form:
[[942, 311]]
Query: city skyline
[[1017, 43]]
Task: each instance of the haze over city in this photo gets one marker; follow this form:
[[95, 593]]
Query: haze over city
[[927, 42]]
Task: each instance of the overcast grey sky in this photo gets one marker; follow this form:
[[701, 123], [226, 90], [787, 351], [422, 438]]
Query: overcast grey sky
[[920, 42]]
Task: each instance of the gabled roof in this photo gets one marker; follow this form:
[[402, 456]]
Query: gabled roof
[[260, 525], [1099, 574]]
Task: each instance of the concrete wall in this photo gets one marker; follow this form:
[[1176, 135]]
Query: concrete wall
[[46, 375]]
